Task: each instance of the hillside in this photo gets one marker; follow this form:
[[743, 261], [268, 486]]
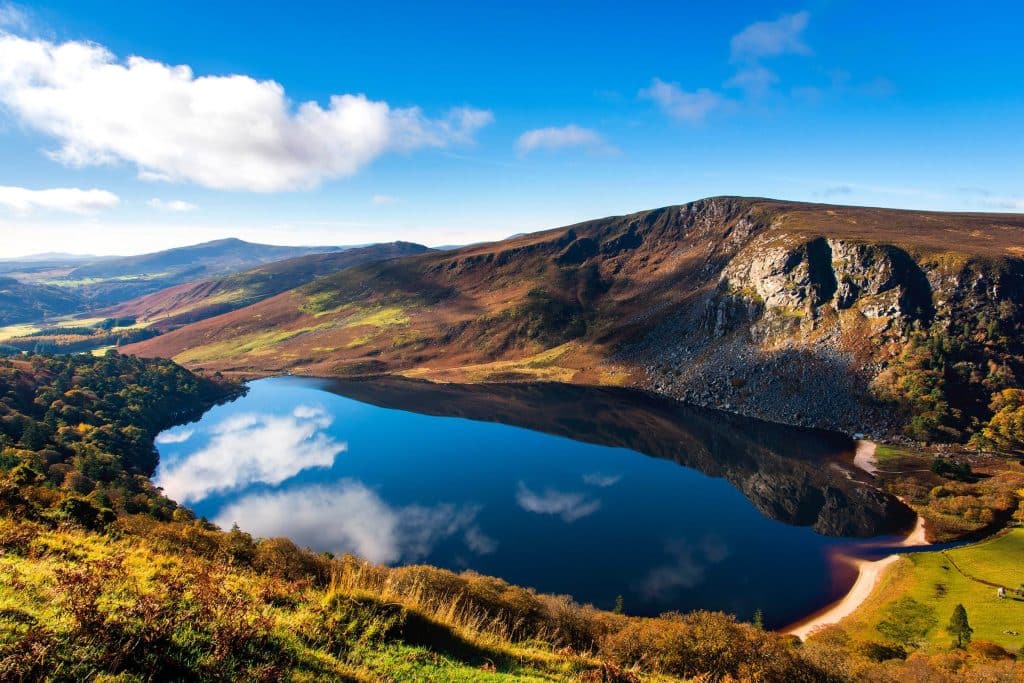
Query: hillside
[[207, 258], [751, 305], [194, 301], [21, 301], [105, 281]]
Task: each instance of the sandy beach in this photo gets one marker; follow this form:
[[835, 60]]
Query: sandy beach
[[864, 456], [868, 572]]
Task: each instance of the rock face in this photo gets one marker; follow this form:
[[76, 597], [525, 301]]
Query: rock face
[[797, 327]]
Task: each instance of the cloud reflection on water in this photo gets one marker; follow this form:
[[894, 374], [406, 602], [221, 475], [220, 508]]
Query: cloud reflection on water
[[568, 505], [687, 568], [349, 517], [251, 448]]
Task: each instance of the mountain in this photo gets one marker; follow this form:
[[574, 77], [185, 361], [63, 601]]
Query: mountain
[[20, 301], [55, 257], [205, 259], [193, 301], [849, 318], [105, 281]]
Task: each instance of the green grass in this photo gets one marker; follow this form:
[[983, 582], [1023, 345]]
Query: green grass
[[246, 344], [932, 580], [1000, 560], [378, 317], [884, 453], [19, 330]]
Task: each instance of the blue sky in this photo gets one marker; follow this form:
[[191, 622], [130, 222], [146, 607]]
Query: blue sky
[[127, 127]]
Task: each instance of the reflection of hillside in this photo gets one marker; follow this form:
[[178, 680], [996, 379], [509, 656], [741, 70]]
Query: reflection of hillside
[[797, 476]]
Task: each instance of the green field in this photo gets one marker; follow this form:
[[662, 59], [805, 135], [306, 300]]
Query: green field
[[933, 580]]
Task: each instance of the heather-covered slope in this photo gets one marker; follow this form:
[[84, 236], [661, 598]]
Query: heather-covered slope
[[801, 313], [193, 301]]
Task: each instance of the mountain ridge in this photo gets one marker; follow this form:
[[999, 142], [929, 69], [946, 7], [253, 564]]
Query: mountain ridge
[[728, 302]]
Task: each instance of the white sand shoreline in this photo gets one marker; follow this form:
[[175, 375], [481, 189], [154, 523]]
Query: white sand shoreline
[[868, 572]]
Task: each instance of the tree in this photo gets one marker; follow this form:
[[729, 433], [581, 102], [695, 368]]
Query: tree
[[907, 622], [959, 627]]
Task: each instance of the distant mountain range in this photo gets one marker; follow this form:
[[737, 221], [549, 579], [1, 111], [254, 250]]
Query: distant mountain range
[[194, 301], [57, 284]]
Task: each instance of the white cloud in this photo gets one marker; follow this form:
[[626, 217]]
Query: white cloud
[[174, 437], [66, 199], [569, 506], [174, 205], [601, 480], [224, 132], [755, 80], [13, 17], [252, 448], [680, 104], [348, 517], [771, 38], [382, 199], [559, 138]]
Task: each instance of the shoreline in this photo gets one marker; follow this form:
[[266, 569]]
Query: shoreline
[[869, 572]]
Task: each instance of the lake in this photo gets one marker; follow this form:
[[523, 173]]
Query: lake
[[591, 492]]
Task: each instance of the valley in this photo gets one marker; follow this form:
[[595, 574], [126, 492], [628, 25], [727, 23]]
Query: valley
[[670, 396]]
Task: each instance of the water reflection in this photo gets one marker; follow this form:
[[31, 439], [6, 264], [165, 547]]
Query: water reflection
[[798, 476], [349, 517], [686, 569], [250, 448], [568, 505], [370, 468]]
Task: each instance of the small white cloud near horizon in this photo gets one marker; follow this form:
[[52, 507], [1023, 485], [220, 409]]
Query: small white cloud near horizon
[[173, 205], [561, 137], [682, 105], [382, 199], [22, 200], [771, 38], [228, 132]]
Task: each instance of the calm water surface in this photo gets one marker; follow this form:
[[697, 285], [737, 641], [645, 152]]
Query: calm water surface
[[589, 492]]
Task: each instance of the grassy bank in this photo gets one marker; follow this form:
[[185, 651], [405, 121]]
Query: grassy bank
[[937, 582]]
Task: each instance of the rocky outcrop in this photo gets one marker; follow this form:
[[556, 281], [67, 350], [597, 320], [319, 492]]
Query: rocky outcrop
[[795, 328]]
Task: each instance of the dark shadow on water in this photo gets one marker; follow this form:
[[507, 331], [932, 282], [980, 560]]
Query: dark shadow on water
[[799, 476]]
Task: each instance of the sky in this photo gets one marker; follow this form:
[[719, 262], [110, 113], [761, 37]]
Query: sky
[[133, 127]]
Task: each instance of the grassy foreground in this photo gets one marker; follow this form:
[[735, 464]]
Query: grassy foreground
[[180, 600], [103, 578]]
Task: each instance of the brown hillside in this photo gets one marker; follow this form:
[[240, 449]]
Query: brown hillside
[[700, 301]]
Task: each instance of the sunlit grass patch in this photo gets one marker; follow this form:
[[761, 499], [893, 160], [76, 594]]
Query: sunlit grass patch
[[378, 317], [933, 580], [254, 344]]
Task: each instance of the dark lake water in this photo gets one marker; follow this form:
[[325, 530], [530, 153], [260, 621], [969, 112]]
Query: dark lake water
[[589, 492]]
